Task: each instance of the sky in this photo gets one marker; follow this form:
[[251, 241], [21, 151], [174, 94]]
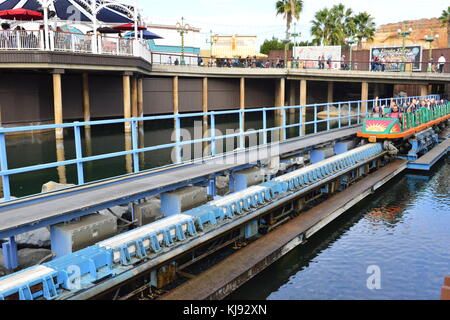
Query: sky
[[257, 17]]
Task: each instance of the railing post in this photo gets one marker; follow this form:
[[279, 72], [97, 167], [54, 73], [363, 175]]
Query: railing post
[[19, 44], [241, 130], [4, 167], [52, 41], [178, 158], [340, 115], [79, 153], [315, 118], [264, 126], [213, 134], [134, 137], [42, 40], [349, 113], [72, 42], [328, 117], [359, 112], [283, 123], [300, 122]]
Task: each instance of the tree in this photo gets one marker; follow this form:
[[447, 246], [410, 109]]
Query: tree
[[445, 20], [273, 44], [320, 27], [333, 26], [364, 28], [290, 9]]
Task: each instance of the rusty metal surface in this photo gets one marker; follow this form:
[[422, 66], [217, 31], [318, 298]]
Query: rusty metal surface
[[223, 278]]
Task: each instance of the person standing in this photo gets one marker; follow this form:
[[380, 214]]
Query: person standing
[[441, 63]]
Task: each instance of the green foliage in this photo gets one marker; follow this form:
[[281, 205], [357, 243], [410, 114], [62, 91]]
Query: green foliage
[[333, 26], [290, 9], [445, 17], [273, 44]]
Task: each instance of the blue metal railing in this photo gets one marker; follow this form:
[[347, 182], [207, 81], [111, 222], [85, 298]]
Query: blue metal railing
[[80, 159]]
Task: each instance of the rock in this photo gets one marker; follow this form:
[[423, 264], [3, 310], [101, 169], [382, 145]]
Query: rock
[[118, 211], [53, 186], [31, 257], [38, 238], [2, 264], [27, 258]]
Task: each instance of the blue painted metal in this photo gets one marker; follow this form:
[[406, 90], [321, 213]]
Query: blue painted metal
[[134, 137], [10, 258], [112, 257], [79, 154]]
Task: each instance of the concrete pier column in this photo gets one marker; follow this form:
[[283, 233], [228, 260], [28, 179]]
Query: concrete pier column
[[60, 157], [57, 101], [205, 109], [175, 96], [423, 90], [364, 96], [128, 157], [280, 98], [330, 94], [127, 100], [134, 97], [140, 97], [242, 94], [303, 101], [86, 100], [376, 90]]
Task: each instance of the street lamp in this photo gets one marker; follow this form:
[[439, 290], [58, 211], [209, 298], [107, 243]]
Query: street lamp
[[295, 34], [212, 40], [351, 42], [182, 29], [404, 33], [430, 40]]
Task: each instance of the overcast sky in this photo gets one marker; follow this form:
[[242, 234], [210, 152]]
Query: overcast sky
[[257, 17]]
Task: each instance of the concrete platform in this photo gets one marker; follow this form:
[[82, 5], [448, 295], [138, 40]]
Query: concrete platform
[[427, 161], [223, 278]]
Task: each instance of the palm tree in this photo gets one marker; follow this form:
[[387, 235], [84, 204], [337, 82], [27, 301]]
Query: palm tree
[[290, 9], [445, 20], [321, 27], [364, 28]]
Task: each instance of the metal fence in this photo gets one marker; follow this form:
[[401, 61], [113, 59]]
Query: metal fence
[[348, 114], [21, 40]]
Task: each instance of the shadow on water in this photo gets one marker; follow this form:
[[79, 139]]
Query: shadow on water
[[403, 229]]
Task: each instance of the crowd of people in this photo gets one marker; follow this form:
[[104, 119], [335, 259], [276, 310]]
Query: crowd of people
[[396, 110]]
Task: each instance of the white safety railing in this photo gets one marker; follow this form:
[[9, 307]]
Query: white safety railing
[[21, 40], [73, 42], [64, 41]]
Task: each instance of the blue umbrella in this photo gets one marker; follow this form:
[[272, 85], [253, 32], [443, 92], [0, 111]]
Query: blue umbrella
[[147, 35]]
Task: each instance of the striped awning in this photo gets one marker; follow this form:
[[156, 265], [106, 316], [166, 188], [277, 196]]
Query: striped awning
[[75, 10]]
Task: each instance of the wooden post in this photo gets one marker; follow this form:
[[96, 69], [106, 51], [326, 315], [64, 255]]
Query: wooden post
[[205, 109], [175, 96], [57, 103], [303, 101], [364, 96], [330, 95], [140, 97], [134, 97], [127, 101], [86, 100], [423, 90], [280, 98]]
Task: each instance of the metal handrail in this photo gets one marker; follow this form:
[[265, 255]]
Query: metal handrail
[[79, 161]]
